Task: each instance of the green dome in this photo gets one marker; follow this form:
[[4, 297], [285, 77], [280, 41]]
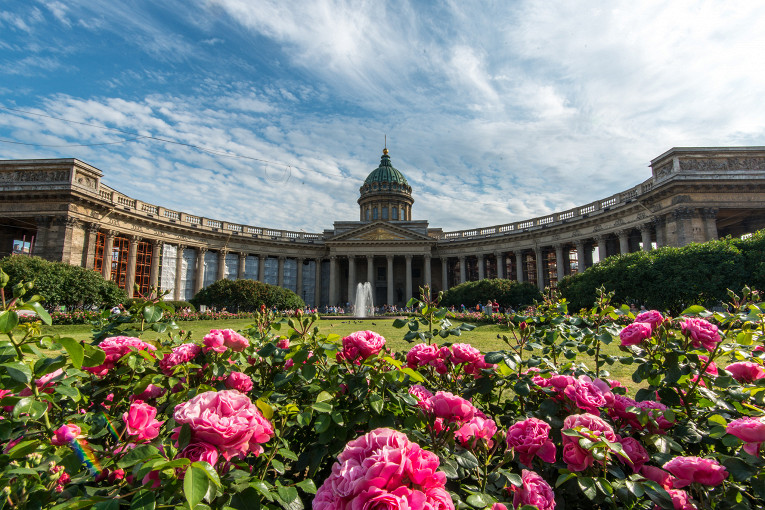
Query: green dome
[[386, 173]]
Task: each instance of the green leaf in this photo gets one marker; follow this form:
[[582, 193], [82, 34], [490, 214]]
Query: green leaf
[[75, 350], [693, 310], [110, 504], [307, 486], [322, 407], [138, 454], [23, 449], [413, 374], [399, 323], [8, 320], [467, 460], [18, 371], [587, 485], [209, 471], [376, 402], [263, 488], [31, 407], [287, 494], [152, 313], [143, 500], [278, 466], [247, 499], [195, 485], [39, 310], [94, 356], [324, 396], [740, 470], [478, 500]]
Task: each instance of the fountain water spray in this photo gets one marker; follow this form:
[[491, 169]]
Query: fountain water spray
[[363, 305]]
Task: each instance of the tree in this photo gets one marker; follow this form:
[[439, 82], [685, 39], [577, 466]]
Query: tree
[[246, 296], [507, 293]]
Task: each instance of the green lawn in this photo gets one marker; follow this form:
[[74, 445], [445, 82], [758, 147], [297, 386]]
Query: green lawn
[[485, 337]]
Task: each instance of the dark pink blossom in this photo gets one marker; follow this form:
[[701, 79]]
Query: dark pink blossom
[[688, 470], [180, 354], [701, 332], [531, 438], [635, 333]]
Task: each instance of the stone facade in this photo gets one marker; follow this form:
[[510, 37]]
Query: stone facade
[[63, 212]]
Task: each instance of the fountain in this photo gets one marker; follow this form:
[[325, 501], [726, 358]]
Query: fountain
[[363, 305]]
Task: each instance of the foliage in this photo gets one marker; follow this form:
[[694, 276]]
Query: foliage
[[673, 278], [246, 296], [508, 293], [60, 284], [178, 306], [108, 424]]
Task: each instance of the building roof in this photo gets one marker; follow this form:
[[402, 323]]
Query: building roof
[[386, 173]]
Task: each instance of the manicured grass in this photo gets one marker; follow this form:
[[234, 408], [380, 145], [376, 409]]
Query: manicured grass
[[485, 337]]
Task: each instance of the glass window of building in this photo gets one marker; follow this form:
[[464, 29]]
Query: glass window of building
[[385, 213], [374, 213], [395, 213]]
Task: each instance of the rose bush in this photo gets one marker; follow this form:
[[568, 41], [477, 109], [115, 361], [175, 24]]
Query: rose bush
[[279, 415]]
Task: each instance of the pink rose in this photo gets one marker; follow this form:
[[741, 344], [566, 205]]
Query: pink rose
[[359, 346], [384, 467], [439, 499], [585, 395], [402, 498], [535, 491], [590, 426], [234, 340], [180, 354], [557, 382], [200, 451], [745, 371], [283, 343], [477, 429], [361, 447], [702, 333], [419, 392], [239, 381], [140, 421], [226, 419], [530, 438], [115, 348], [751, 431], [214, 341], [636, 453], [688, 470], [680, 500], [150, 392], [451, 407], [658, 475], [465, 353], [421, 468], [652, 317], [498, 506], [421, 355], [635, 333], [65, 434]]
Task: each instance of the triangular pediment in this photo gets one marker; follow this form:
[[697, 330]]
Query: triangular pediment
[[380, 231]]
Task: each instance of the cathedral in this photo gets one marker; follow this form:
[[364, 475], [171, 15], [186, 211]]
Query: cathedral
[[60, 210]]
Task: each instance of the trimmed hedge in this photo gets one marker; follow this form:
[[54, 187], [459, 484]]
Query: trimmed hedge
[[673, 278], [505, 292], [177, 305], [61, 284], [246, 296]]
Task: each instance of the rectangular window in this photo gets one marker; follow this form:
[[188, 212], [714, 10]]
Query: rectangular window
[[98, 262], [21, 247], [395, 213], [385, 213], [381, 273], [374, 213], [143, 267], [118, 260]]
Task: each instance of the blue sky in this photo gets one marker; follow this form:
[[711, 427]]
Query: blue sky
[[494, 111]]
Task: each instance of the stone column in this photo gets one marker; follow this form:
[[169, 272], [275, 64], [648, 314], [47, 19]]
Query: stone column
[[280, 271], [560, 265], [317, 284], [645, 234], [242, 267], [624, 241], [660, 225], [333, 297], [351, 278], [199, 276], [540, 268], [581, 262], [40, 247], [428, 276], [408, 290], [221, 264], [481, 260], [65, 229], [444, 274], [89, 252], [519, 269], [463, 269], [709, 215], [371, 270], [500, 264], [156, 254], [389, 258], [131, 261], [602, 253], [179, 273], [299, 283], [684, 225], [262, 268]]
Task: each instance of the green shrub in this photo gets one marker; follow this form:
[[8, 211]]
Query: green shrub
[[63, 285], [246, 296], [177, 305], [673, 278], [505, 292]]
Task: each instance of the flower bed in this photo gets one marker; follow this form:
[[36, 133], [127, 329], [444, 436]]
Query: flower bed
[[296, 418]]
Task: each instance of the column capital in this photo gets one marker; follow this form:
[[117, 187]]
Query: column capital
[[282, 258], [134, 238], [683, 213], [408, 257], [242, 255], [709, 213], [93, 227], [201, 249], [647, 227], [223, 251], [389, 257], [600, 238], [370, 257], [579, 242], [444, 259], [180, 247], [427, 256], [623, 232], [462, 258], [333, 258], [497, 253], [156, 243], [299, 259]]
